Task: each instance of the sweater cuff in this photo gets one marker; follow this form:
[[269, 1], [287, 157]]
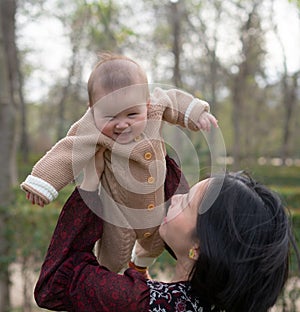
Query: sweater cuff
[[198, 107], [39, 187], [142, 261]]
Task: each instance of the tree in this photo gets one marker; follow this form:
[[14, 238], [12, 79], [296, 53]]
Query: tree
[[9, 86], [175, 17], [205, 70], [289, 90], [243, 81], [75, 24]]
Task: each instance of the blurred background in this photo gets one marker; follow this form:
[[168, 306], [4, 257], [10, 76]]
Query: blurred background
[[242, 56]]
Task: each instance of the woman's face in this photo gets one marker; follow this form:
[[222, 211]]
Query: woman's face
[[179, 225]]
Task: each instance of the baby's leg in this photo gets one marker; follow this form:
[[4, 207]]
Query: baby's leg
[[147, 249], [115, 248]]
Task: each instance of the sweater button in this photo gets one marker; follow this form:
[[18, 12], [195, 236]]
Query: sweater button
[[151, 180], [148, 156], [150, 206], [147, 234]]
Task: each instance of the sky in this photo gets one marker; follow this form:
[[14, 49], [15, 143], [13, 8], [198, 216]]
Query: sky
[[288, 19], [50, 48]]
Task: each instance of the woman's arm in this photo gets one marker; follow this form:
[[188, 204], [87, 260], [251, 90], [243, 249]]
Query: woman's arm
[[77, 230], [71, 278]]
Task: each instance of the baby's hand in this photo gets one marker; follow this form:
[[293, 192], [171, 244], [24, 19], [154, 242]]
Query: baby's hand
[[205, 121], [35, 199]]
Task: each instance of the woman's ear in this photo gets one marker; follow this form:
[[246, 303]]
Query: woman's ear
[[148, 102]]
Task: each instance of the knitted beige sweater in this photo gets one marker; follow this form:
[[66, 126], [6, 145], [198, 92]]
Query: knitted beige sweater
[[132, 183], [68, 157]]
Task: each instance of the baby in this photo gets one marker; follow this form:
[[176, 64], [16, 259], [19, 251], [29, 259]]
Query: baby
[[126, 120]]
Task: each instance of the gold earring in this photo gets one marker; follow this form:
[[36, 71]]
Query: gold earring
[[192, 253]]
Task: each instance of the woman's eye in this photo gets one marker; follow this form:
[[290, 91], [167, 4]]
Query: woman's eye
[[132, 114]]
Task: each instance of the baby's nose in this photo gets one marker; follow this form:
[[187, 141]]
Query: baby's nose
[[122, 124]]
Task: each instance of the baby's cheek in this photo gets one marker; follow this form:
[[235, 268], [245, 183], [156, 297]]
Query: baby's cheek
[[99, 124]]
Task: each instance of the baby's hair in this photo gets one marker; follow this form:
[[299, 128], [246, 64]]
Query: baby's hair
[[113, 72]]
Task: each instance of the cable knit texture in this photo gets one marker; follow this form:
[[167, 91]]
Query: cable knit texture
[[130, 180]]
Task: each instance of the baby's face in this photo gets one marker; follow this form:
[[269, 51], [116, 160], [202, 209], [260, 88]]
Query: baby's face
[[121, 115]]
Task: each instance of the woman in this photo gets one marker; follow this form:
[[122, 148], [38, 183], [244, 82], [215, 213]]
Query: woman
[[231, 247]]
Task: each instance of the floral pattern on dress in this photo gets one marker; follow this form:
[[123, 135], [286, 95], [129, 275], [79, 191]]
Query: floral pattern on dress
[[177, 297]]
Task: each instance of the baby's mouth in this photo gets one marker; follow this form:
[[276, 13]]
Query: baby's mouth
[[122, 136], [123, 132]]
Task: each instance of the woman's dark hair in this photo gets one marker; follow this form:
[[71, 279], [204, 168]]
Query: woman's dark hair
[[244, 245]]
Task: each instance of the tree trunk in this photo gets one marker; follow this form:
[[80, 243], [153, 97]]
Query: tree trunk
[[289, 104], [13, 86], [8, 113], [24, 142], [176, 47], [27, 284], [237, 102], [65, 92], [6, 123], [289, 96]]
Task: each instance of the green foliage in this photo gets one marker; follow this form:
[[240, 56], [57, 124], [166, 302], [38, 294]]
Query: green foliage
[[277, 175], [295, 1], [294, 265], [24, 169], [165, 263], [5, 258], [30, 227], [284, 180], [290, 195]]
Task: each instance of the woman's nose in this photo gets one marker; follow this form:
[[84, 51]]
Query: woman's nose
[[175, 199]]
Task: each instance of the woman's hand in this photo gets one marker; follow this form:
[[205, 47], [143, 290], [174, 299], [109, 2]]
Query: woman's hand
[[93, 171]]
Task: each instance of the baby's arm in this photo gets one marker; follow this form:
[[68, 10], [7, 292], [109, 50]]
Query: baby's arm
[[183, 109], [93, 170], [63, 162]]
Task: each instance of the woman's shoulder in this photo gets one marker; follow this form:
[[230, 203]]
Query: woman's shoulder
[[176, 297]]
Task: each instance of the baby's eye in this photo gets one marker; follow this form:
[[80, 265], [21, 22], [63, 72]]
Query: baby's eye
[[132, 114], [109, 117]]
